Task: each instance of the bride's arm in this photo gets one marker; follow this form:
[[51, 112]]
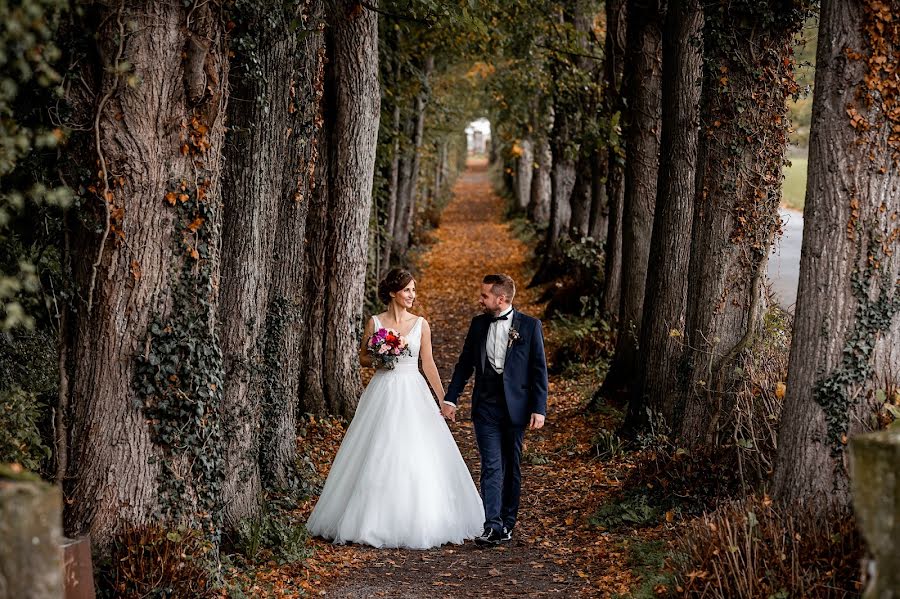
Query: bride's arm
[[428, 365], [364, 358]]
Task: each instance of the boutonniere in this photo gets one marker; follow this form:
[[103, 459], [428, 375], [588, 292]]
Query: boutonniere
[[513, 337]]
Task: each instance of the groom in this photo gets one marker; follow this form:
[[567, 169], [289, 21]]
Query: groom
[[505, 349]]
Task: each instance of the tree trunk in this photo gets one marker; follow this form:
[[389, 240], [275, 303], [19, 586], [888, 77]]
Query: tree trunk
[[353, 136], [539, 202], [598, 226], [747, 79], [266, 205], [147, 368], [410, 175], [524, 173], [393, 182], [582, 194], [614, 67], [580, 200], [643, 87], [287, 335], [670, 247], [846, 328], [562, 181]]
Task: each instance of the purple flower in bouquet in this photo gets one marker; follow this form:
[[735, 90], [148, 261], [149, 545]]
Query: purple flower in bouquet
[[386, 346]]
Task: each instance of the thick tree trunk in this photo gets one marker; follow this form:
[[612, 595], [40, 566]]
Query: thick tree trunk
[[580, 200], [562, 180], [353, 137], [582, 191], [524, 173], [643, 87], [614, 67], [670, 247], [747, 80], [598, 225], [846, 328], [251, 185], [539, 202], [266, 204], [286, 332], [312, 386], [147, 370]]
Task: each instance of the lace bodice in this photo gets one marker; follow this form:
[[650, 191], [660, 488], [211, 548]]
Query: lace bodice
[[413, 338]]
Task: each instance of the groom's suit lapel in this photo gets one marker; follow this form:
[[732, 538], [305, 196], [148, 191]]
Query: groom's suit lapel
[[513, 325], [484, 335]]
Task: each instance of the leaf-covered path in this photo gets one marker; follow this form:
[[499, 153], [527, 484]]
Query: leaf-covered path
[[556, 552]]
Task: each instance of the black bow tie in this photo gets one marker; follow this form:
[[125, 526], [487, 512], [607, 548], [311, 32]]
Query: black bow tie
[[496, 318]]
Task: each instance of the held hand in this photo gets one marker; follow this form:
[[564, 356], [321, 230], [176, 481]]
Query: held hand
[[537, 421], [449, 412]]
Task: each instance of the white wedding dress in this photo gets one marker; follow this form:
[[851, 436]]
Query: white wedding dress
[[398, 479]]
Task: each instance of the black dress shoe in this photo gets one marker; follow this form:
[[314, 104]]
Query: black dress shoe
[[506, 536], [489, 538]]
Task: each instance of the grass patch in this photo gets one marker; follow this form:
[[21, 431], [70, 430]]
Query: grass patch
[[793, 192], [633, 510], [647, 559]]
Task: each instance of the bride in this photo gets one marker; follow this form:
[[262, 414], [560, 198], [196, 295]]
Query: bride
[[398, 479]]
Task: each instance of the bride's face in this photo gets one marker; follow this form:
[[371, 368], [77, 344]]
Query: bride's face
[[406, 297]]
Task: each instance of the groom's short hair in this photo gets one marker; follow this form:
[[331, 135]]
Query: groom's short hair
[[501, 284]]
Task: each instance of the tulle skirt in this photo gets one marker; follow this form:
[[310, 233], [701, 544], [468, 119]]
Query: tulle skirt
[[398, 479]]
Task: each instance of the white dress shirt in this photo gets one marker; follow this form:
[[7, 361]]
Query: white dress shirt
[[498, 341]]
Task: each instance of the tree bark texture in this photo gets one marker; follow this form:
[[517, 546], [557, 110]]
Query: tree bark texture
[[747, 79], [355, 100], [846, 328], [643, 88], [670, 246], [562, 181], [614, 67], [524, 173], [287, 334], [263, 268], [598, 225], [539, 202], [147, 372], [582, 191]]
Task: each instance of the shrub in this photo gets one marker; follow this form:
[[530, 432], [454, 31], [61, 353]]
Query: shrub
[[28, 389], [20, 436], [581, 341], [153, 561], [273, 534], [752, 548]]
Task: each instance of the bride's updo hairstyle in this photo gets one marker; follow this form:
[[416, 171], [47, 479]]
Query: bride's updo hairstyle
[[396, 280]]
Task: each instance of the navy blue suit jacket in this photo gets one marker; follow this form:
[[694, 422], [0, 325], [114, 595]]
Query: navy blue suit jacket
[[524, 372]]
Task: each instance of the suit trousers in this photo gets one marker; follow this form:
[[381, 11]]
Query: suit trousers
[[500, 447]]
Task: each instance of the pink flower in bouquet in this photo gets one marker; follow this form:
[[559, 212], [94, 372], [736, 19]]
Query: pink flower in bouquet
[[386, 346]]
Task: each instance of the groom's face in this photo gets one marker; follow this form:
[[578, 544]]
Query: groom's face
[[490, 302]]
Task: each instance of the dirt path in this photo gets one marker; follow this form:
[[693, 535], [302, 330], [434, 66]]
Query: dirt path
[[472, 240]]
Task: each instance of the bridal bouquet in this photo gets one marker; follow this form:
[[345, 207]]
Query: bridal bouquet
[[386, 347]]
